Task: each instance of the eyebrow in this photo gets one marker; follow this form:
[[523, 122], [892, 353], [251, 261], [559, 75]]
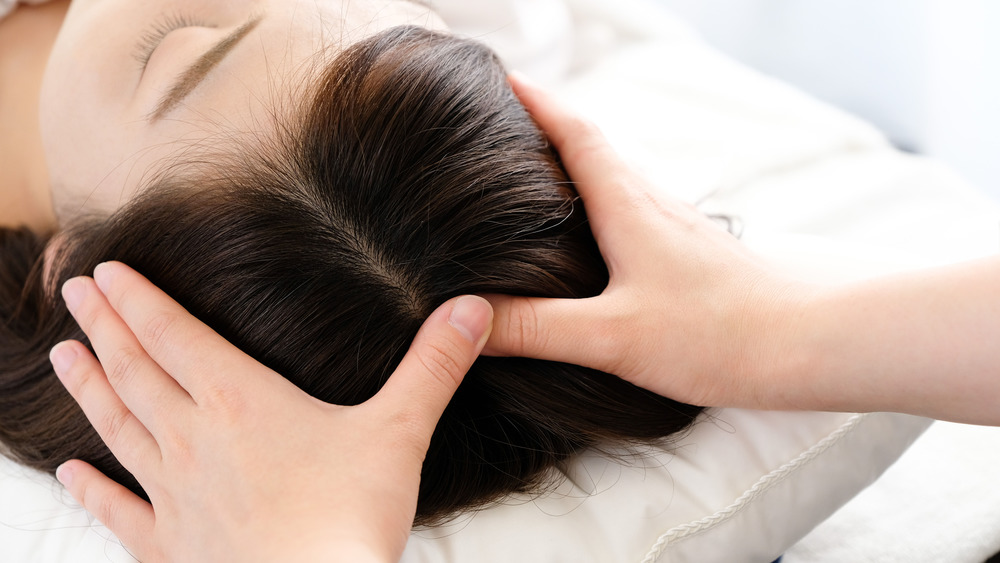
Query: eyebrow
[[197, 72]]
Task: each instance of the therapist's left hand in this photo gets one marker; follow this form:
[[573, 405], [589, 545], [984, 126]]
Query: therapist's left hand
[[239, 464]]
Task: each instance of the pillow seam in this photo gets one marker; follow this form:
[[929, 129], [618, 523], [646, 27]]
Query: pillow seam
[[762, 485]]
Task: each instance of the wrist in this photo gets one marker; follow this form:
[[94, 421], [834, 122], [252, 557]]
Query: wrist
[[775, 358]]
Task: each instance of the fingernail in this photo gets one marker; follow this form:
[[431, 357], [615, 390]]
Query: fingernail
[[65, 475], [102, 276], [73, 292], [471, 316], [62, 356]]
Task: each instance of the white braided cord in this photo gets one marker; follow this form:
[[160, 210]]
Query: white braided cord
[[774, 477]]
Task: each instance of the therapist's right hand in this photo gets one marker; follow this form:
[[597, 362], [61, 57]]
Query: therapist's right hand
[[685, 298]]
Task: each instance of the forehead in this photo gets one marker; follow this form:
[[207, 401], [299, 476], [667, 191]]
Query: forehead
[[291, 46], [102, 148]]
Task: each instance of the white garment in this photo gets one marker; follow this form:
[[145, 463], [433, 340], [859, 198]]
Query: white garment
[[7, 6]]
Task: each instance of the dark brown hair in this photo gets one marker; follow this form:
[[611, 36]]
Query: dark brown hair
[[413, 175]]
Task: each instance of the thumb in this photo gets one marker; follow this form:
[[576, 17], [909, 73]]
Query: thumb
[[443, 351], [560, 330]]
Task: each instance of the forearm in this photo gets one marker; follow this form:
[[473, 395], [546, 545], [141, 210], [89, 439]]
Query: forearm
[[924, 343]]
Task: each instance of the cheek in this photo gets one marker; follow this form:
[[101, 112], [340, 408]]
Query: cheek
[[69, 117], [72, 151], [85, 97], [86, 161], [92, 148], [96, 167], [64, 152]]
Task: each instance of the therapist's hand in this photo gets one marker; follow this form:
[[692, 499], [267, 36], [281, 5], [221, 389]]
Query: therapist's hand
[[239, 464], [689, 310]]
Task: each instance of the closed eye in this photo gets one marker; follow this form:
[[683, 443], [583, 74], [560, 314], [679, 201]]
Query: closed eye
[[152, 37]]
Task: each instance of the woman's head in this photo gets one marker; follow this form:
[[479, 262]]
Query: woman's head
[[130, 83], [409, 175]]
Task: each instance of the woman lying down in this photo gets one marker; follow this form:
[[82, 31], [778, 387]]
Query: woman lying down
[[312, 180]]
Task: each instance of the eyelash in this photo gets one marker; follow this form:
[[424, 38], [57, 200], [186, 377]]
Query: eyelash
[[152, 37]]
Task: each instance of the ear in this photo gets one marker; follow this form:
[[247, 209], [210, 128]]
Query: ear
[[51, 258]]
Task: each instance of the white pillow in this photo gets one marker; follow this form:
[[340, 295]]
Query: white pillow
[[742, 486]]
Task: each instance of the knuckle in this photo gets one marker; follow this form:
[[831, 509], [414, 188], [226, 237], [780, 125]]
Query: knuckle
[[178, 447], [226, 402], [106, 508], [524, 329], [443, 361], [111, 425], [156, 332], [122, 366]]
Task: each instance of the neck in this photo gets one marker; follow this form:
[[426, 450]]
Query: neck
[[26, 37]]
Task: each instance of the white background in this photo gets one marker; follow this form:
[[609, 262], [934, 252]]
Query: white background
[[927, 72]]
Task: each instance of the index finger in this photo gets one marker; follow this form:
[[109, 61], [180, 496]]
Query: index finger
[[187, 349]]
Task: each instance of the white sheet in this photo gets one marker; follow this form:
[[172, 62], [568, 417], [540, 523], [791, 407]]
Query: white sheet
[[939, 502]]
